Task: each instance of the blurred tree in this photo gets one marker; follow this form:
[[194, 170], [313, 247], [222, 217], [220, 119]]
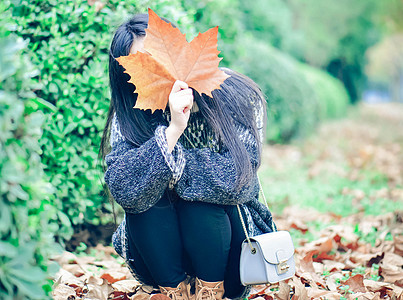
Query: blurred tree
[[335, 36], [250, 38], [385, 68], [392, 12], [386, 65]]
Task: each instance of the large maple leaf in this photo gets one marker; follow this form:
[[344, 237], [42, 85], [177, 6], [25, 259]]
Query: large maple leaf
[[169, 57]]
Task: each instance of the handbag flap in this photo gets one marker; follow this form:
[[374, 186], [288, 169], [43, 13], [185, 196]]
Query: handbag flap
[[276, 246]]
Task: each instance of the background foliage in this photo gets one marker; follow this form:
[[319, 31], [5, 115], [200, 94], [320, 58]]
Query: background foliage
[[26, 210], [54, 96]]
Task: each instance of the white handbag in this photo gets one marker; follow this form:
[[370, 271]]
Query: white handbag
[[266, 258]]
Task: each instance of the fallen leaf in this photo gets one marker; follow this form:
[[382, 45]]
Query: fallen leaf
[[300, 291], [65, 277], [159, 297], [98, 288], [391, 273], [306, 263], [363, 296], [393, 259], [63, 292], [113, 276], [140, 296], [127, 286], [299, 225], [399, 282], [331, 281], [332, 266], [74, 269], [321, 294], [147, 288], [284, 291], [376, 286], [356, 284]]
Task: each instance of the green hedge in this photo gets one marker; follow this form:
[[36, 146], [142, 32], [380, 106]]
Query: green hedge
[[26, 228], [299, 96], [292, 102], [332, 95], [69, 44]]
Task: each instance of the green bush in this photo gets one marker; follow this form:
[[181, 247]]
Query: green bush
[[298, 95], [26, 227], [69, 43], [292, 101], [332, 95]]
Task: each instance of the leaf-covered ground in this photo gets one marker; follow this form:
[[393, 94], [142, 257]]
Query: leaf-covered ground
[[339, 193]]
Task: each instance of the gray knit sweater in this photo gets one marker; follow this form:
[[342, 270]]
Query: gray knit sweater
[[199, 169]]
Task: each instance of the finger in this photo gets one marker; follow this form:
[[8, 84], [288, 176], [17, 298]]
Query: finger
[[184, 92], [180, 99], [182, 102], [187, 108], [179, 85]]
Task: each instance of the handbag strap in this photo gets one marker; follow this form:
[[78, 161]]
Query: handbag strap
[[252, 249], [262, 193]]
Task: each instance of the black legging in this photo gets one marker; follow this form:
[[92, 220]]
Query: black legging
[[176, 237]]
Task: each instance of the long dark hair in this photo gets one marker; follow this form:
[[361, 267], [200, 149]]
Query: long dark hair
[[230, 103]]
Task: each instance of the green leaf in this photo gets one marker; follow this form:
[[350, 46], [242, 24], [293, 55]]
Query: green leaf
[[31, 289], [7, 249]]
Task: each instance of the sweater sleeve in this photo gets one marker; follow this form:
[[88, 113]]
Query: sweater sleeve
[[138, 177]]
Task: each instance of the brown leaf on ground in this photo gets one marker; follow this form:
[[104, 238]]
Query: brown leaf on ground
[[284, 291], [127, 286], [378, 287], [140, 296], [322, 294], [363, 296], [159, 297], [306, 263], [63, 292], [398, 243], [332, 266], [296, 224], [300, 291], [97, 288], [331, 281], [391, 273], [113, 276], [356, 284]]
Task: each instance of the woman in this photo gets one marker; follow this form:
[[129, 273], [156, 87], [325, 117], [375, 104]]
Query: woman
[[179, 175]]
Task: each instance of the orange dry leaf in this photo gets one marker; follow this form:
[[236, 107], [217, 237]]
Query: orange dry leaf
[[356, 283], [169, 57]]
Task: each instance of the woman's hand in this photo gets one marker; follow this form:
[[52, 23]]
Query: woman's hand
[[180, 104]]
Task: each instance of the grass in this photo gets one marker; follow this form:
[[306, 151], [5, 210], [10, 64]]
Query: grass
[[342, 168], [325, 193]]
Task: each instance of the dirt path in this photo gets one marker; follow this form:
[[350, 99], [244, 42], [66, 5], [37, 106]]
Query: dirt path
[[339, 193]]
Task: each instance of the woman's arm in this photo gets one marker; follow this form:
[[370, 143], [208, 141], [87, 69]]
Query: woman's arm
[[137, 177]]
